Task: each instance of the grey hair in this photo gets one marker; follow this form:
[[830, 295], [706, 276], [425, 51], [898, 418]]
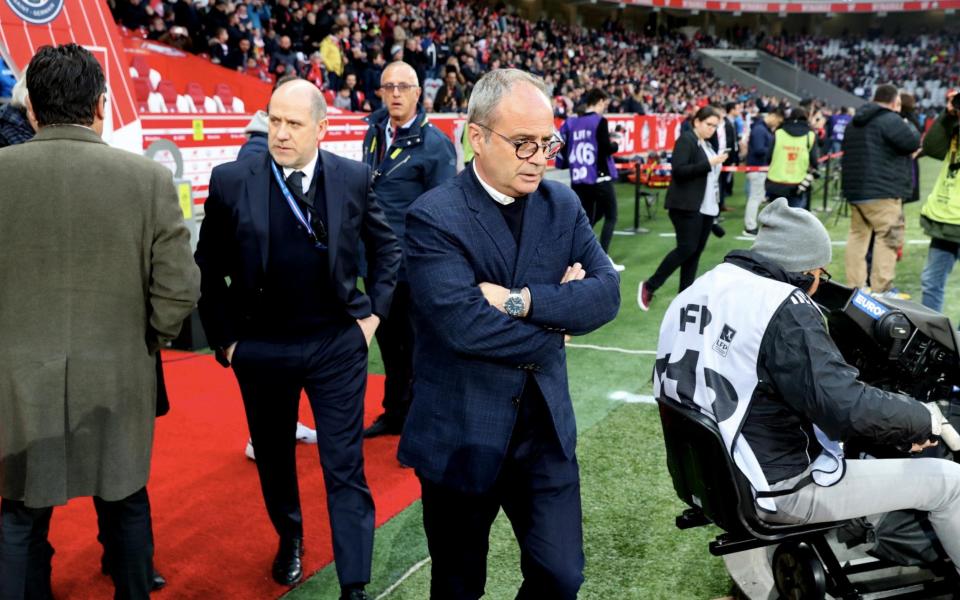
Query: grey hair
[[18, 97], [492, 87]]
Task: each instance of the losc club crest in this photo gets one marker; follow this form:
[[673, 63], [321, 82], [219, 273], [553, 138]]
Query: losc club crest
[[38, 12]]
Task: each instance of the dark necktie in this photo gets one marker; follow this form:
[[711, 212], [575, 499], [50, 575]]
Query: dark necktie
[[295, 183]]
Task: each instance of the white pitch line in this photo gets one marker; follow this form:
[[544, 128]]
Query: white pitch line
[[612, 349], [631, 398], [403, 578]]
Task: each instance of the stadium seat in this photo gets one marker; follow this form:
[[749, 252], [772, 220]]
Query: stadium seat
[[169, 93], [141, 91], [200, 100], [225, 99], [155, 79], [139, 63], [706, 478], [328, 96]]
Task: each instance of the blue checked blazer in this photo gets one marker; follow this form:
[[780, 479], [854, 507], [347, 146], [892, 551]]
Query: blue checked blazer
[[470, 360]]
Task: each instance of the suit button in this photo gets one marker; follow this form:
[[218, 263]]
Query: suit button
[[516, 400]]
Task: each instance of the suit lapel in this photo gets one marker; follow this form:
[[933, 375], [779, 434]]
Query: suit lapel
[[335, 194], [258, 199], [488, 215], [534, 225]]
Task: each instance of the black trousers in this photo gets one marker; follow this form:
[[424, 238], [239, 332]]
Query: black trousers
[[395, 338], [539, 490], [692, 229], [332, 369], [600, 202], [25, 552]]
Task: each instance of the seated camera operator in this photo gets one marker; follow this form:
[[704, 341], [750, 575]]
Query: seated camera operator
[[747, 345]]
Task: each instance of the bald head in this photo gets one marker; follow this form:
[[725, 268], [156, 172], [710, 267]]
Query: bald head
[[303, 91]]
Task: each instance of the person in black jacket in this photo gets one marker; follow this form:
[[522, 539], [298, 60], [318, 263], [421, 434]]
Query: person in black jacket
[[408, 156], [876, 177], [796, 396], [693, 201]]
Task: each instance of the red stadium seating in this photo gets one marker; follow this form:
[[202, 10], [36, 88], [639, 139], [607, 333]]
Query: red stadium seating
[[166, 89], [141, 90], [196, 93]]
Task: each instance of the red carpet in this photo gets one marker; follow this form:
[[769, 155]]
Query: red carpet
[[213, 537]]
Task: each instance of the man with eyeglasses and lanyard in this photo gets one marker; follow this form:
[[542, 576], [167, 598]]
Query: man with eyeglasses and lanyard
[[502, 266], [285, 229], [409, 156]]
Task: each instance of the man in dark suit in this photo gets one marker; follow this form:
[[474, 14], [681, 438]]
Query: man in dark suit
[[502, 265], [285, 228]]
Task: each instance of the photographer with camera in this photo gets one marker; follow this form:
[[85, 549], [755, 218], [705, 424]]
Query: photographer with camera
[[940, 215], [783, 395], [793, 160]]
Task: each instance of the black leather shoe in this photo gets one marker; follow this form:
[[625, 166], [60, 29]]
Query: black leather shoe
[[287, 566], [383, 426], [157, 581], [353, 594]]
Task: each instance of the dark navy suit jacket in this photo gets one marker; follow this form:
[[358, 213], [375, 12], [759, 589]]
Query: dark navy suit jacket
[[470, 360], [234, 243]]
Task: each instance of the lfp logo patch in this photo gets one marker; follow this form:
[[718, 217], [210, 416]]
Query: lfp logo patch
[[868, 305], [38, 12]]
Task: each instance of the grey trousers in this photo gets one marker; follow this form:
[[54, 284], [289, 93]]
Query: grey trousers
[[879, 486]]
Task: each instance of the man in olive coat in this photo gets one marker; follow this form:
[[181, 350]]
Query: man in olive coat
[[95, 275]]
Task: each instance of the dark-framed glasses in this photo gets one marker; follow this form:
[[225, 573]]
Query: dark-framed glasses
[[403, 88], [825, 275], [527, 148]]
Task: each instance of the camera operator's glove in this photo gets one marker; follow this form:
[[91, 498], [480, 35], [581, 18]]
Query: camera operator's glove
[[942, 427]]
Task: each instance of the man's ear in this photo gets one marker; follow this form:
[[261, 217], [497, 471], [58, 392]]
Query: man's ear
[[30, 116], [100, 110]]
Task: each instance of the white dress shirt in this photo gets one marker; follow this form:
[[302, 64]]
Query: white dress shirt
[[308, 171], [497, 196]]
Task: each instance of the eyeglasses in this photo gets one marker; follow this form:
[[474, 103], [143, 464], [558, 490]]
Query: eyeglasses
[[825, 276], [527, 148], [403, 88]]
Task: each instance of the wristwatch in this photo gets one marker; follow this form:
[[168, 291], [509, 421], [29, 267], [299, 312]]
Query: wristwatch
[[514, 304]]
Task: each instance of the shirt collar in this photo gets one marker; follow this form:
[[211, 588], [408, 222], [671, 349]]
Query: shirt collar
[[308, 171], [499, 198], [390, 132]]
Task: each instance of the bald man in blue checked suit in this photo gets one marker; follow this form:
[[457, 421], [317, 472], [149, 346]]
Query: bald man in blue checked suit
[[502, 266]]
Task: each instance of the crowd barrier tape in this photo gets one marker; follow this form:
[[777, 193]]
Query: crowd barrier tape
[[740, 168]]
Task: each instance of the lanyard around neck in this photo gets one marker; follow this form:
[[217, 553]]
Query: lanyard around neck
[[295, 208]]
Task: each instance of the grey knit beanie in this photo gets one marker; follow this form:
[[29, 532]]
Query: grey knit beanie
[[792, 237]]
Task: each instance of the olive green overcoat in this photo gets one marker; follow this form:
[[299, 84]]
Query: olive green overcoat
[[95, 274]]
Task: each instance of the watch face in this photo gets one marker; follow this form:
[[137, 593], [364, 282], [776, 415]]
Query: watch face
[[514, 305]]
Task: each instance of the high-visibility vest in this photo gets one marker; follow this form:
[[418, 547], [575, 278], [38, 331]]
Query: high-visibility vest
[[791, 157]]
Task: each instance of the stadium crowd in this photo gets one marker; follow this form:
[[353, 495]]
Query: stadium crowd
[[450, 47], [921, 64]]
